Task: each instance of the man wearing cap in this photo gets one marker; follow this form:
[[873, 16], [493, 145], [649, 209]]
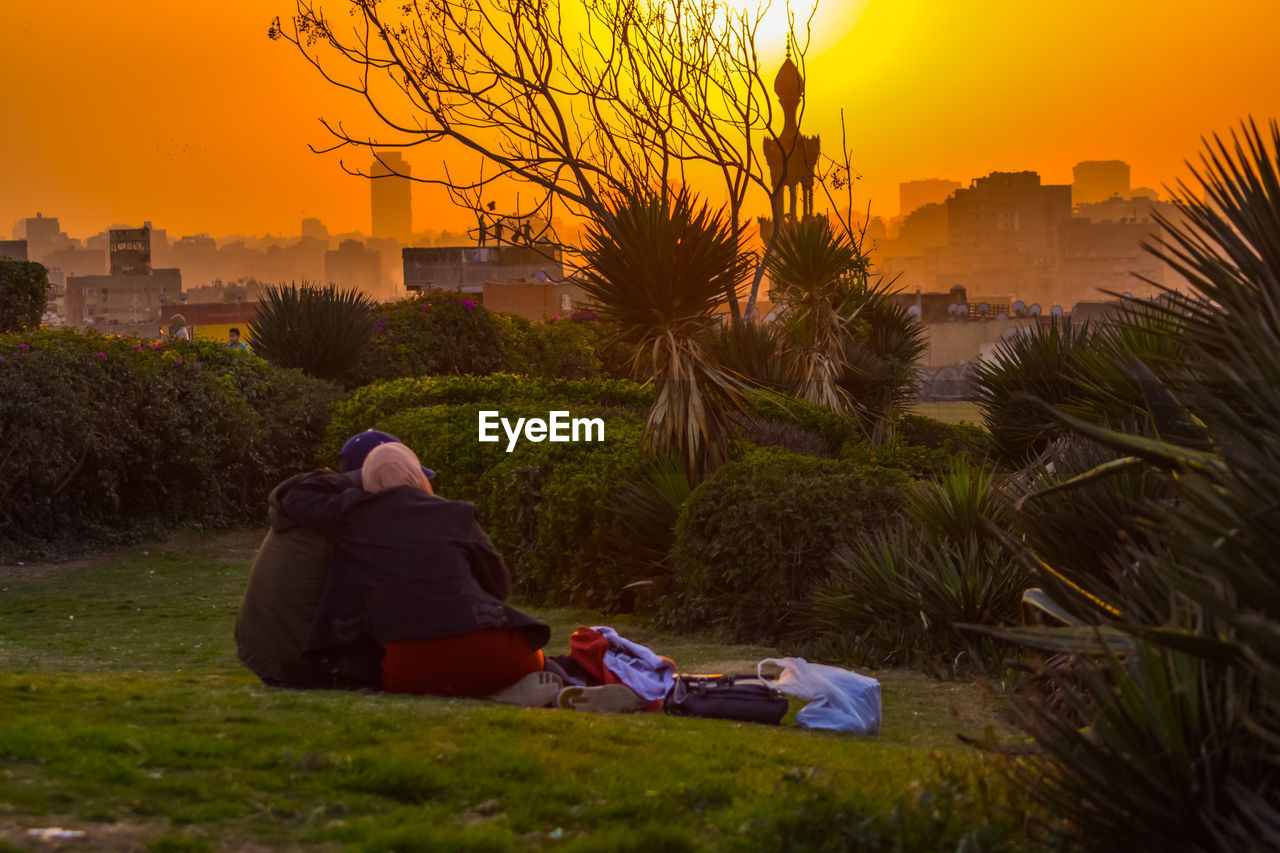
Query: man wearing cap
[[285, 586]]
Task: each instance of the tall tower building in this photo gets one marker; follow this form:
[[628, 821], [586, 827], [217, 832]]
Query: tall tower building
[[1098, 180], [389, 189]]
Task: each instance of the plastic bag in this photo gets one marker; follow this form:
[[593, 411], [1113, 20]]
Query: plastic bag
[[839, 699]]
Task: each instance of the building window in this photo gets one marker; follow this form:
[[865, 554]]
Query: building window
[[566, 304]]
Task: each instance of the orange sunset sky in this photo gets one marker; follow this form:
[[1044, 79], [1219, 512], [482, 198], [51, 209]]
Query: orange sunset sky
[[188, 116]]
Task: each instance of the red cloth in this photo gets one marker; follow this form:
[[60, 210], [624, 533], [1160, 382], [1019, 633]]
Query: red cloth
[[587, 648], [476, 664]]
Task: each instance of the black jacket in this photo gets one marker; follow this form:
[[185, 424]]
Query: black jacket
[[286, 585], [406, 565]]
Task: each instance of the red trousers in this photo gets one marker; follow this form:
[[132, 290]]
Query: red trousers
[[475, 664]]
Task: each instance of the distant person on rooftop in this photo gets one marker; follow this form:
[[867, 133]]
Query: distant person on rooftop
[[234, 342]]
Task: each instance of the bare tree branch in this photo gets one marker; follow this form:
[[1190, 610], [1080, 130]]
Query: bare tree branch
[[642, 95]]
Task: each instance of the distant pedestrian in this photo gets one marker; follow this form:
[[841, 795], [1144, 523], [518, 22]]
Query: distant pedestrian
[[178, 328], [234, 342]]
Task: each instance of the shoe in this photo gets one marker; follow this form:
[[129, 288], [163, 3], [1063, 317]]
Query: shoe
[[617, 698], [535, 690]]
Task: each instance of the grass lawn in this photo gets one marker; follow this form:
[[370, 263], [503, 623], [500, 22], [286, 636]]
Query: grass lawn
[[125, 715]]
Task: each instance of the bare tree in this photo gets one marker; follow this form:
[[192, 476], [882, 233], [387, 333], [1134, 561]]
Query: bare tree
[[638, 95]]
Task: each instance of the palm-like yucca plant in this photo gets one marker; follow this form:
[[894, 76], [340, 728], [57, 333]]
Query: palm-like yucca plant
[[1181, 747], [811, 266], [658, 266], [881, 356], [321, 330], [1043, 363], [900, 598], [750, 350]]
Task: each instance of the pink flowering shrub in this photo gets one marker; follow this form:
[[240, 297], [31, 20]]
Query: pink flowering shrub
[[431, 334]]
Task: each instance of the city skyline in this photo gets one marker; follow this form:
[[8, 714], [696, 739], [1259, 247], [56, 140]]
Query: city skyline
[[202, 124]]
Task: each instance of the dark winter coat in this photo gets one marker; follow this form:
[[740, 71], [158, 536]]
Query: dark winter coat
[[280, 605], [406, 565]]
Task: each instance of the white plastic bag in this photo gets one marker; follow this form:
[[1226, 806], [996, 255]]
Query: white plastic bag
[[838, 699]]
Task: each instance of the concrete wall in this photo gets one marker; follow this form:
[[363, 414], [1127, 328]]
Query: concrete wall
[[963, 341], [534, 300]]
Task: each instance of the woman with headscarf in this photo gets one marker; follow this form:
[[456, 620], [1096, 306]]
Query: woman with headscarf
[[178, 328], [418, 574]]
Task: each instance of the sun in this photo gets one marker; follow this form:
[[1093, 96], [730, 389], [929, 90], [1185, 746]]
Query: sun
[[817, 23]]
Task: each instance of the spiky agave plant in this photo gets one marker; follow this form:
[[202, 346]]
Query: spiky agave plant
[[658, 266], [881, 356], [899, 597], [321, 330], [810, 267], [1042, 362], [1181, 747]]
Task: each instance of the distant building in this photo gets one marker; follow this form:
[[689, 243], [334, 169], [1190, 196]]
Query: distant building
[[469, 268], [1008, 214], [13, 250], [314, 229], [913, 195], [43, 235], [390, 197], [352, 265], [1004, 233], [922, 229], [133, 296], [1099, 180]]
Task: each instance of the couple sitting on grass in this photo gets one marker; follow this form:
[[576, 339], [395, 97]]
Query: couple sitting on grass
[[368, 579]]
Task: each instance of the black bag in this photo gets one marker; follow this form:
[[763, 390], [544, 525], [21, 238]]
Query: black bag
[[726, 697]]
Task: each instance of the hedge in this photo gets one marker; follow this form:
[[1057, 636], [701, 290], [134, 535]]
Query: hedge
[[445, 333], [108, 438], [371, 407], [545, 505], [755, 539]]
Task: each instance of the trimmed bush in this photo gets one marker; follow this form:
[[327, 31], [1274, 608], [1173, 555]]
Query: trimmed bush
[[833, 428], [921, 463], [560, 348], [435, 333], [921, 431], [446, 334], [24, 293], [550, 515], [544, 505], [754, 540], [109, 438], [371, 406]]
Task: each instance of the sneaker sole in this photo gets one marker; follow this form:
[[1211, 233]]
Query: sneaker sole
[[535, 690], [607, 698]]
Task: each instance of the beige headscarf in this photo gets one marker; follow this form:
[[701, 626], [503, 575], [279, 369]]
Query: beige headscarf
[[390, 465]]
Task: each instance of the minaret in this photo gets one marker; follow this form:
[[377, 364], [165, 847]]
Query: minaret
[[792, 157]]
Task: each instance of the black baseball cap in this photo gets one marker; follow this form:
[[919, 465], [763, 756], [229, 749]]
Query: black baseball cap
[[353, 453]]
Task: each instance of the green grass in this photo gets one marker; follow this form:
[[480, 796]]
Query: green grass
[[124, 713], [951, 412]]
